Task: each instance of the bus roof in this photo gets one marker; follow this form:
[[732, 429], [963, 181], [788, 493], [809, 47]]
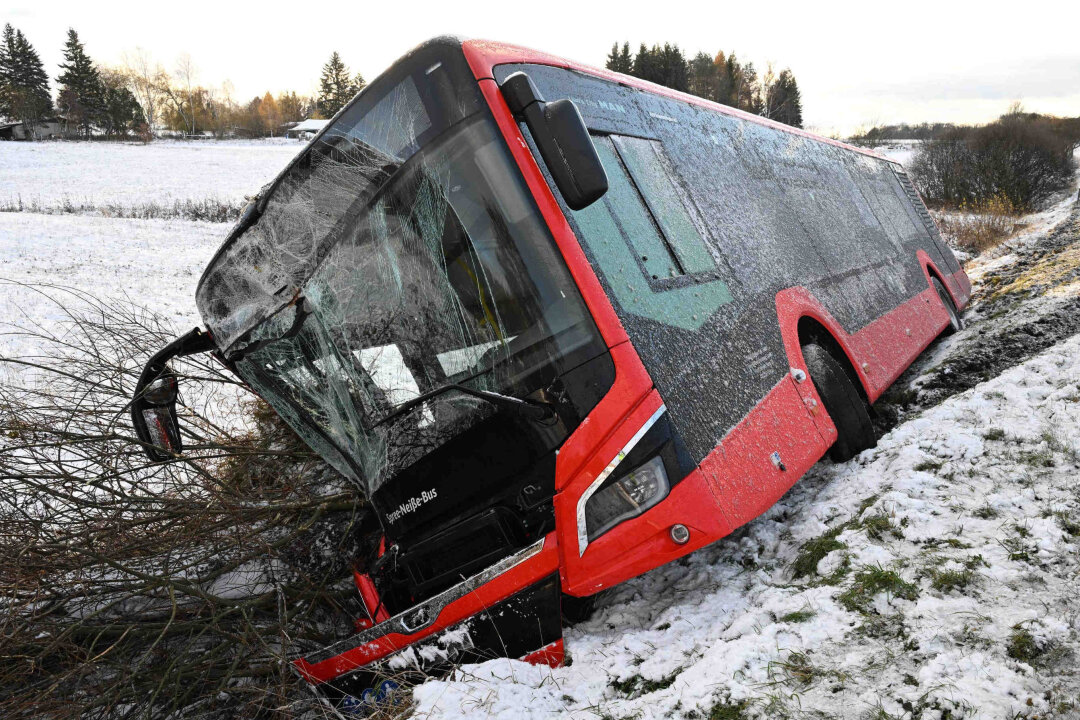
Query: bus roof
[[484, 55]]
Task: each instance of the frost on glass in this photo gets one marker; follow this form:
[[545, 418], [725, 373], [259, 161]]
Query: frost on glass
[[383, 268], [776, 210], [647, 165]]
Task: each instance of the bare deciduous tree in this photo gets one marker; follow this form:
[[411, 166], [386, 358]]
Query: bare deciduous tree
[[130, 588], [181, 96], [145, 79]]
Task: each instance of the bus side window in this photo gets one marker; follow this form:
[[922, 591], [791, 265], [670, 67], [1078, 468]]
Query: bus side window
[[645, 161], [645, 273], [649, 211], [624, 207]]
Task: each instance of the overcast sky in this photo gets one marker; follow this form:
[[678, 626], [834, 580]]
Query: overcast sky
[[857, 63]]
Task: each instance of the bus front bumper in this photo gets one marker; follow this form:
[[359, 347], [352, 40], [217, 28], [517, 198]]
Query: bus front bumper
[[511, 609]]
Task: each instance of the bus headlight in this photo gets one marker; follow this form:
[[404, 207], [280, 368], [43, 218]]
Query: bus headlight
[[627, 497]]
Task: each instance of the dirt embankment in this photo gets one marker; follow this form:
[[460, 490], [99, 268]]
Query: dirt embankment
[[1023, 303]]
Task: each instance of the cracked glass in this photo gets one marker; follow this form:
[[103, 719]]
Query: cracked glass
[[404, 253]]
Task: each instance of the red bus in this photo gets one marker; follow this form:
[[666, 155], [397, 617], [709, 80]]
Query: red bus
[[560, 326]]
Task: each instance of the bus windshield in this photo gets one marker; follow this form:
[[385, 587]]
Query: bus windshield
[[385, 267]]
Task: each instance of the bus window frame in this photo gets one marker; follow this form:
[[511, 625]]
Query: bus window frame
[[641, 543]]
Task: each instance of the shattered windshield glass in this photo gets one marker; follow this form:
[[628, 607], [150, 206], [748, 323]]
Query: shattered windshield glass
[[391, 265]]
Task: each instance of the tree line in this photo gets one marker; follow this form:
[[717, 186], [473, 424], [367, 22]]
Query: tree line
[[881, 134], [141, 97], [721, 78], [1016, 163]]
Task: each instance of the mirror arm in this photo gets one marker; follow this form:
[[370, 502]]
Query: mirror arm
[[192, 343], [527, 104], [562, 139]]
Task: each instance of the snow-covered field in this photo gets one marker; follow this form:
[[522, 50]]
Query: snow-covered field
[[155, 263], [902, 151], [935, 576], [49, 173]]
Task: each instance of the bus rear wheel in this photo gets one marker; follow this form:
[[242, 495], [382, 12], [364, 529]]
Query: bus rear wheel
[[956, 323], [842, 401]]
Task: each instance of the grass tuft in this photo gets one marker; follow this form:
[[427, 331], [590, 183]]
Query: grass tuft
[[1043, 457], [729, 711], [811, 553], [1023, 646], [1067, 523], [636, 685], [872, 580], [879, 525], [957, 579], [929, 466], [796, 668]]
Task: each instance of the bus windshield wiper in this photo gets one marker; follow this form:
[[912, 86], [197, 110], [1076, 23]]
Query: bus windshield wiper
[[533, 409]]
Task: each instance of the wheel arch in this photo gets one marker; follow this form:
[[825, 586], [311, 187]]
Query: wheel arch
[[811, 330], [803, 319], [931, 270]]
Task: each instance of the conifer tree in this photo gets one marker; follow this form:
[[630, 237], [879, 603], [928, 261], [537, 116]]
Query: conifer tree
[[81, 94], [24, 85], [703, 79], [120, 111], [672, 65], [619, 59], [291, 106], [336, 86], [646, 65], [7, 69], [720, 78], [612, 62], [731, 74], [785, 101]]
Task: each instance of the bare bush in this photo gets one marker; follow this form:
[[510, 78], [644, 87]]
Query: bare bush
[[980, 226], [1021, 158], [130, 588]]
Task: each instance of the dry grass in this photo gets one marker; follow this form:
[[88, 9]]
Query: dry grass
[[980, 226], [205, 210]]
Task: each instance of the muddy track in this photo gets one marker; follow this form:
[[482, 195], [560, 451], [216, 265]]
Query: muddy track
[[1018, 310]]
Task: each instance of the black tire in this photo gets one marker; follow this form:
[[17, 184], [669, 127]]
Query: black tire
[[956, 323], [577, 610], [843, 402]]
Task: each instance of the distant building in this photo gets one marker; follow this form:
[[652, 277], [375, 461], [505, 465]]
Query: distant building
[[48, 128], [306, 129]]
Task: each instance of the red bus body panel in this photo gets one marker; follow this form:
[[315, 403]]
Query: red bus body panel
[[739, 479]]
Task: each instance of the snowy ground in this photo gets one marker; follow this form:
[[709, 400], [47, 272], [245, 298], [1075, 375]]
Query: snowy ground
[[939, 574], [932, 577], [155, 263], [52, 173], [902, 151]]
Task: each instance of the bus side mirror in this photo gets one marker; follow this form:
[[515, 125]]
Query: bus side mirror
[[564, 142], [155, 421], [153, 405]]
